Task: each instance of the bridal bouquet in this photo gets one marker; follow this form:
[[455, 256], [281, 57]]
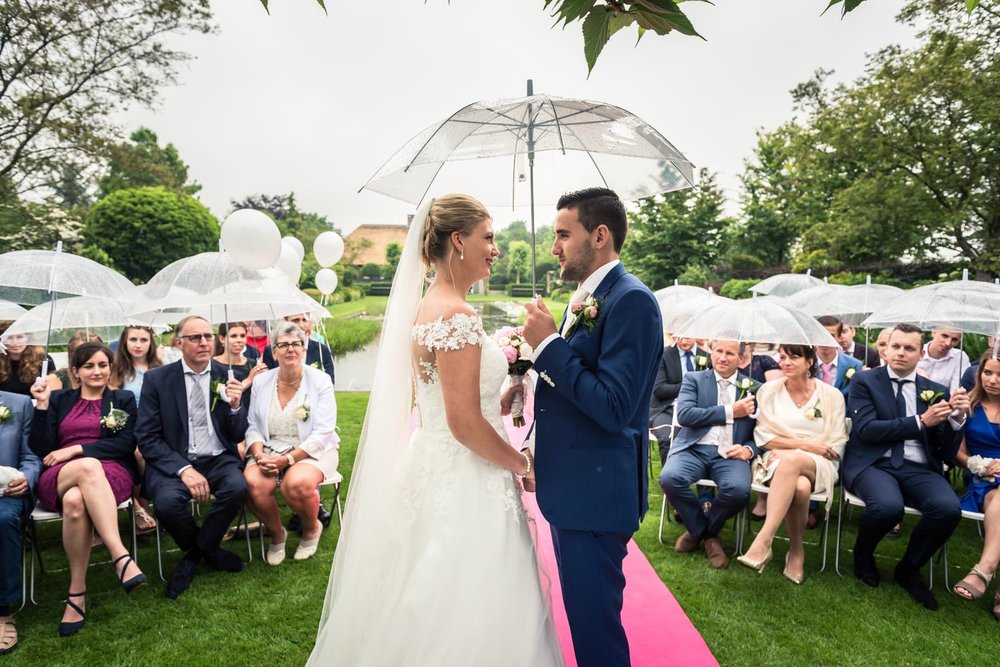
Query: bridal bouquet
[[518, 352]]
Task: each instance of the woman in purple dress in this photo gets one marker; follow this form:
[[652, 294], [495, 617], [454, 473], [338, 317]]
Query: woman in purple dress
[[85, 438]]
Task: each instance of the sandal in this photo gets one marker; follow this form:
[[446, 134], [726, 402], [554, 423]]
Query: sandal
[[144, 522], [8, 634], [136, 582], [966, 591], [67, 628]]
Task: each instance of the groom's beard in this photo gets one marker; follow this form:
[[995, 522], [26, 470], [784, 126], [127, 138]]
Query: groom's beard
[[577, 269]]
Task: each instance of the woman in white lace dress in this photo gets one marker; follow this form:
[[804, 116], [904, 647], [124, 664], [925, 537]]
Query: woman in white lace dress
[[436, 564], [291, 443]]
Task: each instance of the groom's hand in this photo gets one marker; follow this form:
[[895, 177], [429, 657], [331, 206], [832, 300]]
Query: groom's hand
[[538, 323]]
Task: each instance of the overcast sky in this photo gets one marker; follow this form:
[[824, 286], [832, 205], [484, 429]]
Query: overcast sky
[[305, 102]]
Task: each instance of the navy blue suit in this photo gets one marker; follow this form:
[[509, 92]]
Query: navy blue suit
[[591, 434], [876, 429], [698, 411], [162, 432], [15, 453]]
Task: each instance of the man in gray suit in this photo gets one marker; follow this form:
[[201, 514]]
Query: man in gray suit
[[715, 441], [15, 498]]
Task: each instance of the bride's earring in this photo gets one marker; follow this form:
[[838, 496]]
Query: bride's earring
[[461, 254]]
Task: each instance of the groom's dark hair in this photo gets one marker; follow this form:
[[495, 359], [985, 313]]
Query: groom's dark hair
[[598, 206]]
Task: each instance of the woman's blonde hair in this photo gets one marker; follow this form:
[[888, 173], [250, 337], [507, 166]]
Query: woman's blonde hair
[[447, 215]]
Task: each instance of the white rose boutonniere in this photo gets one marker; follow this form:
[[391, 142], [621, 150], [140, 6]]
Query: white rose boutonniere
[[746, 386], [813, 412], [930, 397], [115, 420], [317, 365], [302, 412], [848, 374], [701, 361], [5, 413]]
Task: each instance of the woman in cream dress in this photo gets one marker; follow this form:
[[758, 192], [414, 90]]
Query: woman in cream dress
[[800, 425], [291, 443]]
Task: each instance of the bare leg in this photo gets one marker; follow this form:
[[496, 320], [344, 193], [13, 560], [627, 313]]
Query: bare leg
[[300, 488], [991, 527], [76, 530], [795, 525], [260, 497], [760, 509], [782, 492]]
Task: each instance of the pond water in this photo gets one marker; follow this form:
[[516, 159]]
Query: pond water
[[355, 370]]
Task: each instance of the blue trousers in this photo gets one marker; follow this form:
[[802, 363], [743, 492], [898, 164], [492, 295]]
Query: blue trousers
[[686, 467], [593, 585], [12, 511], [886, 489]]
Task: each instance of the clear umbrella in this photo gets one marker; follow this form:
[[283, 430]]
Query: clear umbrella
[[786, 284], [669, 297], [851, 304], [98, 316], [968, 306], [757, 320], [574, 141], [10, 310], [683, 312]]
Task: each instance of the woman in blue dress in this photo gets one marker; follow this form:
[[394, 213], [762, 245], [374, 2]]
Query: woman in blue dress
[[980, 454]]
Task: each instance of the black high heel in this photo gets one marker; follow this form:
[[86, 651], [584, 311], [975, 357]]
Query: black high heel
[[136, 582], [67, 629]]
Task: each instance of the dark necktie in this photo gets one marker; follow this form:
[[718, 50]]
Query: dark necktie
[[896, 460], [688, 361]]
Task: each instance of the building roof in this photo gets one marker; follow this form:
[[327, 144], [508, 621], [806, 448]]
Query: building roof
[[379, 236]]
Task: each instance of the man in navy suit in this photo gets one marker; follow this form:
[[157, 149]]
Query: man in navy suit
[[902, 430], [15, 500], [866, 355], [833, 366], [592, 418], [679, 359], [187, 434], [715, 441]]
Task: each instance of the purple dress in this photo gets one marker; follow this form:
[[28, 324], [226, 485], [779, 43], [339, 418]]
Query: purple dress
[[80, 426]]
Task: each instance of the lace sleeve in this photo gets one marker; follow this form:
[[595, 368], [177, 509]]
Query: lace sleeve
[[453, 333]]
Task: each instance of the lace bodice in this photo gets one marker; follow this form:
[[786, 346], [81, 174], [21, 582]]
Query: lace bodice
[[282, 426]]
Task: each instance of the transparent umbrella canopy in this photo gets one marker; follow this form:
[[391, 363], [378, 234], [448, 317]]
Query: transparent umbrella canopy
[[69, 315], [10, 310], [669, 297], [757, 320], [30, 276], [680, 314], [849, 303], [786, 284], [969, 306]]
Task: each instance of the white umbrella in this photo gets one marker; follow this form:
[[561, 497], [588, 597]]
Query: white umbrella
[[684, 311], [968, 306], [66, 316], [851, 304], [786, 284], [10, 310], [757, 320], [669, 297]]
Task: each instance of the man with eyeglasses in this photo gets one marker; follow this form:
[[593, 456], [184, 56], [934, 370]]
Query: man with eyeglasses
[[190, 421]]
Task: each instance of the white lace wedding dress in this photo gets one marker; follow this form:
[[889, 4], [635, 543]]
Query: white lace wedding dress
[[457, 582]]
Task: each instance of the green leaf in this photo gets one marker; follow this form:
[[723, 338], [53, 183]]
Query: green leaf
[[642, 31], [571, 10], [322, 3], [264, 2], [596, 32], [971, 5], [618, 21], [849, 5], [661, 23]]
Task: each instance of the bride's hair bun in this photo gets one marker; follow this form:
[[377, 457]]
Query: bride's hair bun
[[449, 214]]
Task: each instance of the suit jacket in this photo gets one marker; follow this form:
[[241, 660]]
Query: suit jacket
[[316, 433], [667, 385], [592, 428], [875, 427], [318, 355], [15, 451], [111, 446], [866, 355], [162, 426], [844, 363], [698, 410]]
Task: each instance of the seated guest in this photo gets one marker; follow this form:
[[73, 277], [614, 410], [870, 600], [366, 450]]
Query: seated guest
[[21, 363], [835, 368], [318, 354], [188, 435], [170, 352], [882, 345], [868, 357], [759, 367], [800, 424], [901, 433], [942, 361], [15, 503], [715, 441], [85, 437], [292, 443], [969, 376], [62, 378], [980, 454], [678, 359], [230, 348]]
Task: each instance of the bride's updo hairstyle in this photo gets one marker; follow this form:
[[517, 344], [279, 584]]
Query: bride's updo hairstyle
[[447, 215]]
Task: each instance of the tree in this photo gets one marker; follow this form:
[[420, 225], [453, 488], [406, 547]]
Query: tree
[[393, 252], [144, 229], [518, 260], [141, 162], [68, 68], [32, 225]]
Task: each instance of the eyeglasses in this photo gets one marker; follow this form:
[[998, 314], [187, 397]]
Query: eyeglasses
[[197, 338], [295, 344]]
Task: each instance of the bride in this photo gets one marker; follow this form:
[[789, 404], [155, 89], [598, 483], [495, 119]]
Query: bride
[[435, 563]]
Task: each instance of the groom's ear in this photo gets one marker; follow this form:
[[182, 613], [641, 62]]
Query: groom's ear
[[602, 236]]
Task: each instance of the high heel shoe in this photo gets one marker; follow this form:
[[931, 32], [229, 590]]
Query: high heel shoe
[[136, 582], [756, 565], [795, 579], [71, 628]]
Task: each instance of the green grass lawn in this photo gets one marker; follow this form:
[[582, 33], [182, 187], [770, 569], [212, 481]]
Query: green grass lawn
[[268, 615]]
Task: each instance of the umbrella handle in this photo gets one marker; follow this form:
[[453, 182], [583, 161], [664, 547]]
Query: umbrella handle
[[43, 372]]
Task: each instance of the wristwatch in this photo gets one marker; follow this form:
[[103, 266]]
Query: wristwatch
[[291, 459]]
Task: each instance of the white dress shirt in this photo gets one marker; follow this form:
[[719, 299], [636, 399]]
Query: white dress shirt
[[947, 370], [711, 438], [913, 450], [204, 378]]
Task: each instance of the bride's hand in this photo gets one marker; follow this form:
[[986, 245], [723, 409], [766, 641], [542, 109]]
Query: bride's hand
[[508, 398]]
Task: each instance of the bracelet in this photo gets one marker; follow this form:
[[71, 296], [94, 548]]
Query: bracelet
[[291, 459], [527, 460]]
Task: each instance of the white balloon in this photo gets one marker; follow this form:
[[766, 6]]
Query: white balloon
[[300, 249], [326, 280], [251, 238], [289, 263], [328, 248]]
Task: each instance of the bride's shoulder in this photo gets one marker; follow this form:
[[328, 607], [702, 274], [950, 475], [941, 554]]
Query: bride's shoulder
[[448, 326]]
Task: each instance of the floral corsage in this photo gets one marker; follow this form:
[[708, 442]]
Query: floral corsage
[[218, 391], [746, 386], [587, 313], [701, 361], [302, 412], [5, 413], [848, 374], [317, 365], [813, 413], [115, 420], [930, 397]]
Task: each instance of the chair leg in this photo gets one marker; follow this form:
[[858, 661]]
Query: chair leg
[[159, 551], [825, 541], [246, 533], [340, 512], [135, 533], [663, 511], [840, 529]]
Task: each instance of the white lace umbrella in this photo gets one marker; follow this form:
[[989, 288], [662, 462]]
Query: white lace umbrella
[[757, 320], [786, 284], [98, 316], [574, 142]]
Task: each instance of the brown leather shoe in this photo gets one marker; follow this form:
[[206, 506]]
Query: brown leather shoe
[[686, 543], [716, 553]]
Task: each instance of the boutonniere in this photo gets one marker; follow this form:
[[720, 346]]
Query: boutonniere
[[5, 413], [115, 420], [302, 412], [930, 397], [847, 377], [587, 313], [218, 389], [316, 365], [701, 361], [813, 413], [746, 386]]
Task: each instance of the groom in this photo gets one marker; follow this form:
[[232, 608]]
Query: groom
[[592, 409]]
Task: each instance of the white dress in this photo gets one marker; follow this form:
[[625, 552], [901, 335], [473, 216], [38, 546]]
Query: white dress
[[459, 584]]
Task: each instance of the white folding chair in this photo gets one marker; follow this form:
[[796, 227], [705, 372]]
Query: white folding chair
[[821, 498], [335, 482], [196, 511]]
